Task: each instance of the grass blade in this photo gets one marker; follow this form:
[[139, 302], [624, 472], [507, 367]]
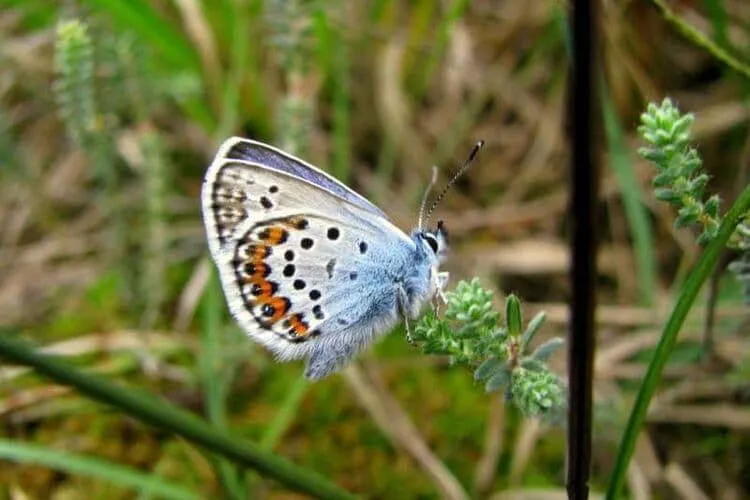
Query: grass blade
[[695, 280], [282, 420], [214, 378], [156, 412], [284, 417], [444, 30], [126, 477], [635, 211], [717, 14], [700, 40], [334, 56], [140, 17], [231, 106]]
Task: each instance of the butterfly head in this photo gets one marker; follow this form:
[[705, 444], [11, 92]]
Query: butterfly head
[[433, 243]]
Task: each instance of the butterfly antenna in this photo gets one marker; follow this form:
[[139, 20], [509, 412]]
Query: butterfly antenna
[[420, 221], [453, 179]]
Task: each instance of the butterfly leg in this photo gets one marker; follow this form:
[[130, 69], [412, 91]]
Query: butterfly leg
[[403, 299], [442, 282]]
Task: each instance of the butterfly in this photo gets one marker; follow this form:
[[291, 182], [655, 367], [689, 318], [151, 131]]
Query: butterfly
[[311, 269]]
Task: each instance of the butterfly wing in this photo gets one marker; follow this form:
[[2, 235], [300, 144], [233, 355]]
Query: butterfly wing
[[237, 148], [308, 269]]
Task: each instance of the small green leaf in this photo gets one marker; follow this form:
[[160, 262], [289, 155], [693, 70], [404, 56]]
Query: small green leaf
[[663, 137], [668, 195], [670, 150], [709, 232], [648, 122], [488, 368], [712, 206], [534, 325], [499, 380], [533, 364], [544, 351], [650, 136], [513, 319], [499, 334], [698, 184], [683, 124], [662, 179], [688, 218], [690, 162], [653, 155]]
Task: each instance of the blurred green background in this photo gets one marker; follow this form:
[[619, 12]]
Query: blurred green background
[[110, 112]]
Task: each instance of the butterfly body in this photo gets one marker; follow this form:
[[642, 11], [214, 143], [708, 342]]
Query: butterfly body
[[310, 268]]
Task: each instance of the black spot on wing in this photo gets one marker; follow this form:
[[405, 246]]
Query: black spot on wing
[[318, 312], [330, 267]]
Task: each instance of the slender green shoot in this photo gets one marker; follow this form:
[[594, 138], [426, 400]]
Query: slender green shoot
[[95, 468]]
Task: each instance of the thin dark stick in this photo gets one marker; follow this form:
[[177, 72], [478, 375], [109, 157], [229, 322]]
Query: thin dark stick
[[583, 117]]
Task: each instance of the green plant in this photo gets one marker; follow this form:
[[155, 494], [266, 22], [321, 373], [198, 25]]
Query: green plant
[[292, 36], [103, 80], [470, 334], [74, 90], [680, 182]]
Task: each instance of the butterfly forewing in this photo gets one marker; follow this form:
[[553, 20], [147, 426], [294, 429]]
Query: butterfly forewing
[[262, 154]]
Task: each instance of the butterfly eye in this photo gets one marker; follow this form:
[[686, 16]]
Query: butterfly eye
[[432, 241]]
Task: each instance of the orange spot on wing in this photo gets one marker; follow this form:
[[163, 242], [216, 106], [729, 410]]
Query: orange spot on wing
[[274, 235], [298, 326], [259, 252], [296, 222], [265, 291], [280, 307], [261, 271], [256, 272]]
